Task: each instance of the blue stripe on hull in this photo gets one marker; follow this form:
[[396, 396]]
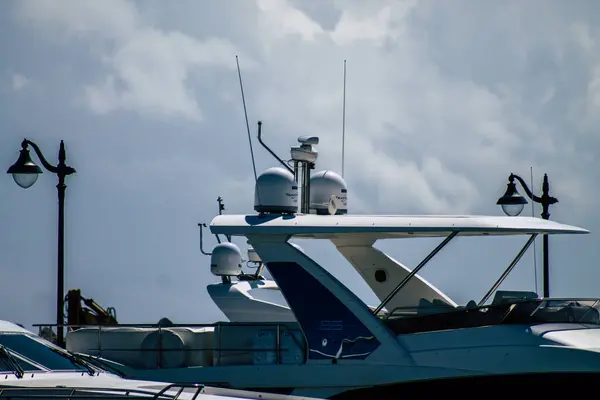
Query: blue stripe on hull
[[331, 329]]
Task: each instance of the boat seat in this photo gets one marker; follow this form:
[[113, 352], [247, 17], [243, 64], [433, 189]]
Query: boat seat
[[432, 307]]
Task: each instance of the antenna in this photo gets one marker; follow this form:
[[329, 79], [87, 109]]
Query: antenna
[[221, 209], [246, 116], [269, 150], [203, 225], [221, 205], [344, 119], [534, 249]]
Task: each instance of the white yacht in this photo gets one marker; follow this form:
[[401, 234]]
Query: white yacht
[[337, 346], [31, 367]]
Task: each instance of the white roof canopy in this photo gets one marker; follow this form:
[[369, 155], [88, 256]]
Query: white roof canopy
[[385, 226]]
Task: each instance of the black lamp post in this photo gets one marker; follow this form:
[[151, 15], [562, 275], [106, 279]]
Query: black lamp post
[[25, 173], [513, 203]]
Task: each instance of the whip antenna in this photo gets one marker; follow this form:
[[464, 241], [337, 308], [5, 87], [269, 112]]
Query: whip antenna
[[535, 268], [246, 116], [344, 119]]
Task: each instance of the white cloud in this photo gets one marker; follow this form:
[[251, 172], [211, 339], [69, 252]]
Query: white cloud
[[371, 23], [149, 68], [445, 99], [435, 112], [280, 19], [19, 81]]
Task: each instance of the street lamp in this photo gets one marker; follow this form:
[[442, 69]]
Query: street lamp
[[512, 204], [25, 173]]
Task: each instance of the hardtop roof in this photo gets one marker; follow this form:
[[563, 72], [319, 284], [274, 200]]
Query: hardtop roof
[[385, 226]]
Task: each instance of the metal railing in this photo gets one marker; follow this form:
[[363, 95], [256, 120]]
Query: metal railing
[[413, 311], [278, 328], [64, 392]]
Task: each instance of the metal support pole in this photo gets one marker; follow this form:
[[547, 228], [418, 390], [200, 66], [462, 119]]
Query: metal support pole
[[414, 272], [60, 285], [305, 207], [62, 170], [546, 267], [546, 201], [296, 171], [508, 270]]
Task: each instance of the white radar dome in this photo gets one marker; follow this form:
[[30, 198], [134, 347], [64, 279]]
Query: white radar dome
[[226, 260], [324, 185], [276, 192]]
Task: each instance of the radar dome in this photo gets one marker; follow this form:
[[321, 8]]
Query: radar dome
[[276, 192], [324, 185], [226, 260]]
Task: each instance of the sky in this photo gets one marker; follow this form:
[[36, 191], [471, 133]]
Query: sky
[[444, 101]]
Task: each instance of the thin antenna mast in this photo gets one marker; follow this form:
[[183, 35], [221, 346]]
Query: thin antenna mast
[[344, 119], [534, 249], [246, 116]]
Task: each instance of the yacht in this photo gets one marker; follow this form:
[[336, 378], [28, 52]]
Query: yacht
[[31, 367], [338, 347], [250, 297]]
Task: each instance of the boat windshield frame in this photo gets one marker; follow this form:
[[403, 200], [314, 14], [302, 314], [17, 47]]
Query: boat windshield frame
[[26, 361]]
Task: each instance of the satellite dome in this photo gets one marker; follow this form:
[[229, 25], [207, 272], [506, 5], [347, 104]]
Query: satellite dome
[[324, 185], [276, 192], [226, 260]]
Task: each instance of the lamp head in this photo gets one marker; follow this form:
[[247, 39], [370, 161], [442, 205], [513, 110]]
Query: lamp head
[[512, 202], [24, 170]]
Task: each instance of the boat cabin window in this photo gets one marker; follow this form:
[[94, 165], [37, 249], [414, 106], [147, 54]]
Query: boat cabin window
[[25, 347]]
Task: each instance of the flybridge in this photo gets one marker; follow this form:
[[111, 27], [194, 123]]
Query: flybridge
[[323, 215]]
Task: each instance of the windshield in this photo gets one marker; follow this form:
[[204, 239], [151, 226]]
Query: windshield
[[34, 355], [536, 311]]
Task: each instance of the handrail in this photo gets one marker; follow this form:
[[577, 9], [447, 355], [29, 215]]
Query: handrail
[[72, 392], [449, 310]]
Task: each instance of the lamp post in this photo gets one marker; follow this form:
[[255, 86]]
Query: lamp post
[[25, 173], [512, 204]]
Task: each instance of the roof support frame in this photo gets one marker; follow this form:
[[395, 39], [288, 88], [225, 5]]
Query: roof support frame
[[415, 271], [508, 269]]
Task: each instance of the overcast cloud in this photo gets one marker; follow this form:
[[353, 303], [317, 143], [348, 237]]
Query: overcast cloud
[[444, 101]]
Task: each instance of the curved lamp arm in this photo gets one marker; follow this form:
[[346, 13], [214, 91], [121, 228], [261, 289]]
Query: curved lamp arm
[[61, 168], [529, 193]]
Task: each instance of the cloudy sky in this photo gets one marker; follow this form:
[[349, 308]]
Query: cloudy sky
[[444, 100]]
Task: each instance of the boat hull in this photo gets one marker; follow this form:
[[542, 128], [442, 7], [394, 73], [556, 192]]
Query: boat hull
[[547, 385]]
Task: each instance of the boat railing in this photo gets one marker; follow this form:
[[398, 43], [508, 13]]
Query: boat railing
[[543, 302], [169, 392], [509, 312], [278, 349]]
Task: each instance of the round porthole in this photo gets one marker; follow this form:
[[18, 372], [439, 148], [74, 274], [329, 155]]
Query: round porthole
[[380, 275]]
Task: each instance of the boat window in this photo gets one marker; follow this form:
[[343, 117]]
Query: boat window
[[36, 351], [581, 311]]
